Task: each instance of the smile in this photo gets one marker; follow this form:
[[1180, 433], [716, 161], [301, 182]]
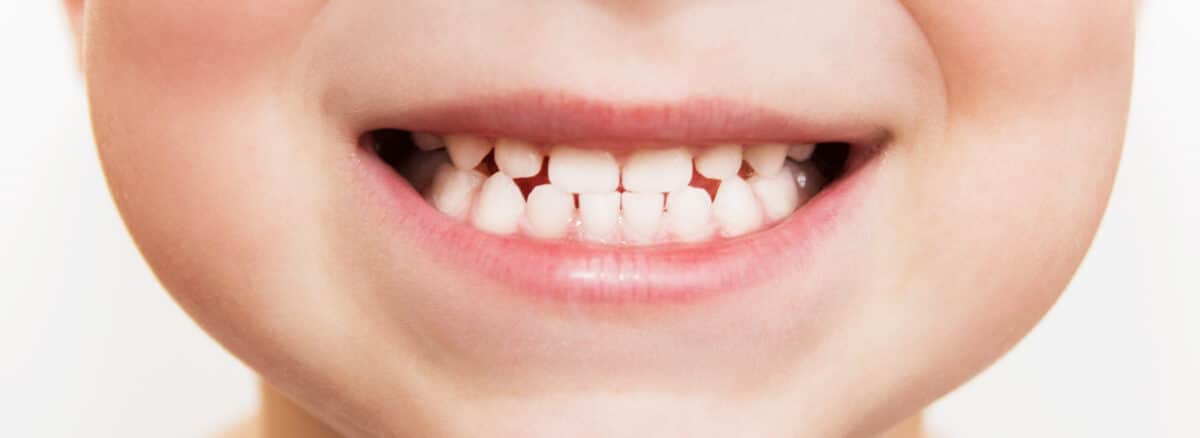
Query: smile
[[580, 200]]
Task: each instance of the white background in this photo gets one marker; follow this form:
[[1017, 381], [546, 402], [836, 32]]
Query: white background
[[91, 346]]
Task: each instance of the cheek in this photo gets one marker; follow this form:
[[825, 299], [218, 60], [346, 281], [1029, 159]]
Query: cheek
[[1009, 55], [1037, 95], [1002, 207], [194, 132], [197, 51]]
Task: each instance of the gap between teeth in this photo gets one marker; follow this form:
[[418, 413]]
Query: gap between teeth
[[649, 196]]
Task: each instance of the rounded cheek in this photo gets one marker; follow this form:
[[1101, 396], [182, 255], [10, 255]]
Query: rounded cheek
[[195, 134], [1035, 122], [996, 211]]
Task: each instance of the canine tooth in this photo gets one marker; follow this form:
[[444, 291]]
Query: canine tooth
[[500, 205], [640, 215], [767, 158], [720, 161], [801, 152], [689, 214], [735, 209], [549, 211], [428, 142], [452, 189], [657, 170], [467, 151], [583, 171], [779, 193], [518, 159], [598, 213]]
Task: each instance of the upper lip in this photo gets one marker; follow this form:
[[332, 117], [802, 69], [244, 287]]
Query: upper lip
[[550, 117], [618, 274]]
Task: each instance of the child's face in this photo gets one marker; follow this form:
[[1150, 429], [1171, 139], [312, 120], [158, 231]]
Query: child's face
[[978, 145]]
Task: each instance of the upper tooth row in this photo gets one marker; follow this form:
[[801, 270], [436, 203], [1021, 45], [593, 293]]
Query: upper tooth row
[[578, 171]]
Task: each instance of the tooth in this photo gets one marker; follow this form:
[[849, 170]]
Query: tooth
[[467, 151], [428, 142], [720, 161], [735, 209], [583, 171], [549, 211], [500, 205], [598, 213], [689, 213], [518, 159], [767, 158], [801, 152], [640, 215], [657, 170], [809, 179], [452, 189], [779, 193]]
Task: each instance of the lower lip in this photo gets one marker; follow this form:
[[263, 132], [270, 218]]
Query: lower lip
[[572, 271]]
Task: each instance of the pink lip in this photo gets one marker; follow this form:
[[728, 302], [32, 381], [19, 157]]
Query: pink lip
[[558, 117], [616, 275]]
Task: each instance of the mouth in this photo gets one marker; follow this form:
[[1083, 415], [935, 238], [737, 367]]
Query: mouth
[[577, 200]]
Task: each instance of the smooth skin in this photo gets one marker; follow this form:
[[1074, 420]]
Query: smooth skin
[[222, 129]]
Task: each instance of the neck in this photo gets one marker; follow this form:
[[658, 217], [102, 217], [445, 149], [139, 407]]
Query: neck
[[909, 428], [280, 418]]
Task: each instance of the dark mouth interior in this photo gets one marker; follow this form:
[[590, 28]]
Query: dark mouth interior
[[395, 146]]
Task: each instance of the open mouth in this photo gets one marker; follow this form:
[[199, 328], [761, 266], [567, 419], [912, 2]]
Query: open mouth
[[651, 194], [583, 200]]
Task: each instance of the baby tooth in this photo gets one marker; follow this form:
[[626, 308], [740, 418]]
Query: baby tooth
[[452, 189], [801, 152], [778, 193], [583, 170], [640, 214], [518, 159], [689, 212], [720, 161], [549, 211], [657, 170], [767, 158], [428, 142], [598, 213], [467, 151], [735, 209], [500, 205]]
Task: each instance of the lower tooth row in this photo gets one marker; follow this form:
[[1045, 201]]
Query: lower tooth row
[[582, 198]]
